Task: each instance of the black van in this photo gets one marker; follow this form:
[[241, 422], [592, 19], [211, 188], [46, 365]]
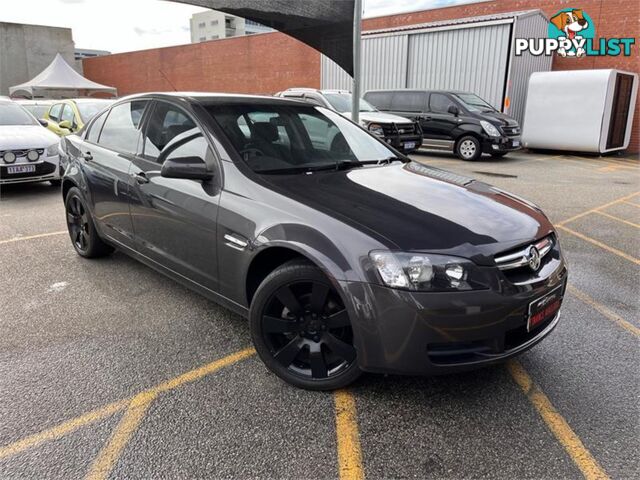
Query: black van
[[461, 122]]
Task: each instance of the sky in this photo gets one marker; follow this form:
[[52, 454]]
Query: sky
[[126, 25]]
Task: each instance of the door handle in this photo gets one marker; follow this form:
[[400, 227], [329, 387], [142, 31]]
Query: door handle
[[140, 178], [87, 156]]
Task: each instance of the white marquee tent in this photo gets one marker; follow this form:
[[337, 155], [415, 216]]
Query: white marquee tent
[[59, 80]]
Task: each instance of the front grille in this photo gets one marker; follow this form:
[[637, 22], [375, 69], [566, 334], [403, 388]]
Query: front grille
[[511, 130], [516, 265], [393, 129]]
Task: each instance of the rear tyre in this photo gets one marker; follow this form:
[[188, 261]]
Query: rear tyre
[[468, 148], [301, 329], [55, 183], [82, 230]]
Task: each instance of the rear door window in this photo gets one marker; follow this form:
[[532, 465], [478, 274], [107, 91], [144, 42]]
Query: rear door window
[[408, 102], [96, 127], [121, 130], [380, 100]]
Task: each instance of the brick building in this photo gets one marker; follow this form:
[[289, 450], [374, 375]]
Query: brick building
[[272, 62]]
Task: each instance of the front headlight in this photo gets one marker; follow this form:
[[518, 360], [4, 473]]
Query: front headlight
[[427, 272], [376, 129], [490, 129], [52, 150]]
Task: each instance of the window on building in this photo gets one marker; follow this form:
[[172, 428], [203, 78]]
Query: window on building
[[120, 131], [203, 39], [214, 23], [215, 37], [202, 24]]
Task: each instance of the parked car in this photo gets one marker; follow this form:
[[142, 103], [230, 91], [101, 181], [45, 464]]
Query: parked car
[[346, 258], [28, 151], [461, 122], [38, 108], [68, 116], [399, 132]]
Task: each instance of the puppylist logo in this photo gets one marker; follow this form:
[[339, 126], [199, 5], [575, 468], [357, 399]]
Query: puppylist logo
[[571, 33]]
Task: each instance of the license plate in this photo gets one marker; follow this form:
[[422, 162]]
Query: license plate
[[21, 169], [409, 145], [515, 143], [544, 308]]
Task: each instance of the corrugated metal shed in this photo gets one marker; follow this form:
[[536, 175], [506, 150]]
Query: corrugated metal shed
[[475, 54]]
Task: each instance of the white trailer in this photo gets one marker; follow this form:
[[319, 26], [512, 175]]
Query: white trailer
[[580, 110]]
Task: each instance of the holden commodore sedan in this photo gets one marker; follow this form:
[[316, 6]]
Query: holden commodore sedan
[[344, 256], [28, 151]]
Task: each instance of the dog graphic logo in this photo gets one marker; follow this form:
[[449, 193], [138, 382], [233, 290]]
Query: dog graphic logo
[[571, 27]]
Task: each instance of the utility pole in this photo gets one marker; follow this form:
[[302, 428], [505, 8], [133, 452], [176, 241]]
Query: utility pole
[[357, 61]]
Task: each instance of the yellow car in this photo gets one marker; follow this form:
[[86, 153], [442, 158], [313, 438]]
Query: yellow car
[[69, 116]]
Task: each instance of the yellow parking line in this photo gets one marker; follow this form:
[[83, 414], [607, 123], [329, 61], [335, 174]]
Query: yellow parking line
[[613, 217], [104, 412], [557, 424], [604, 310], [349, 452], [632, 203], [604, 246], [110, 453], [592, 210], [63, 429], [32, 237]]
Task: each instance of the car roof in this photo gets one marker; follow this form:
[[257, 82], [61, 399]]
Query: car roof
[[215, 97], [315, 90], [414, 90]]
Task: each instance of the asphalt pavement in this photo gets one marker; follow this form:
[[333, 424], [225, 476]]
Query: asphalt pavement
[[109, 369]]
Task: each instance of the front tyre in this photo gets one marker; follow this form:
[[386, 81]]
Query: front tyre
[[82, 230], [301, 329], [468, 148]]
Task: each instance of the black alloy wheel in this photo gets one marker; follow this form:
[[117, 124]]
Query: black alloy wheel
[[81, 228], [302, 330]]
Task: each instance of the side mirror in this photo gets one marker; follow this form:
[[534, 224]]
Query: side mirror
[[453, 110], [43, 122], [191, 168], [66, 124]]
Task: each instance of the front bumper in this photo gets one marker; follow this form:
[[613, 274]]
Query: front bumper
[[501, 144], [44, 170], [428, 333], [403, 142]]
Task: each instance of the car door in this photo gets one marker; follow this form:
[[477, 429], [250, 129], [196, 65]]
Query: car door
[[441, 123], [175, 219], [409, 104], [106, 157]]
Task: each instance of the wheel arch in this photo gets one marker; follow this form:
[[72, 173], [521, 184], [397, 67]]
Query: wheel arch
[[270, 258]]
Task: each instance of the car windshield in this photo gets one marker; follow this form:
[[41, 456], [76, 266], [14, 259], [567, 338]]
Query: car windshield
[[14, 114], [89, 109], [342, 102], [474, 102], [297, 138]]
